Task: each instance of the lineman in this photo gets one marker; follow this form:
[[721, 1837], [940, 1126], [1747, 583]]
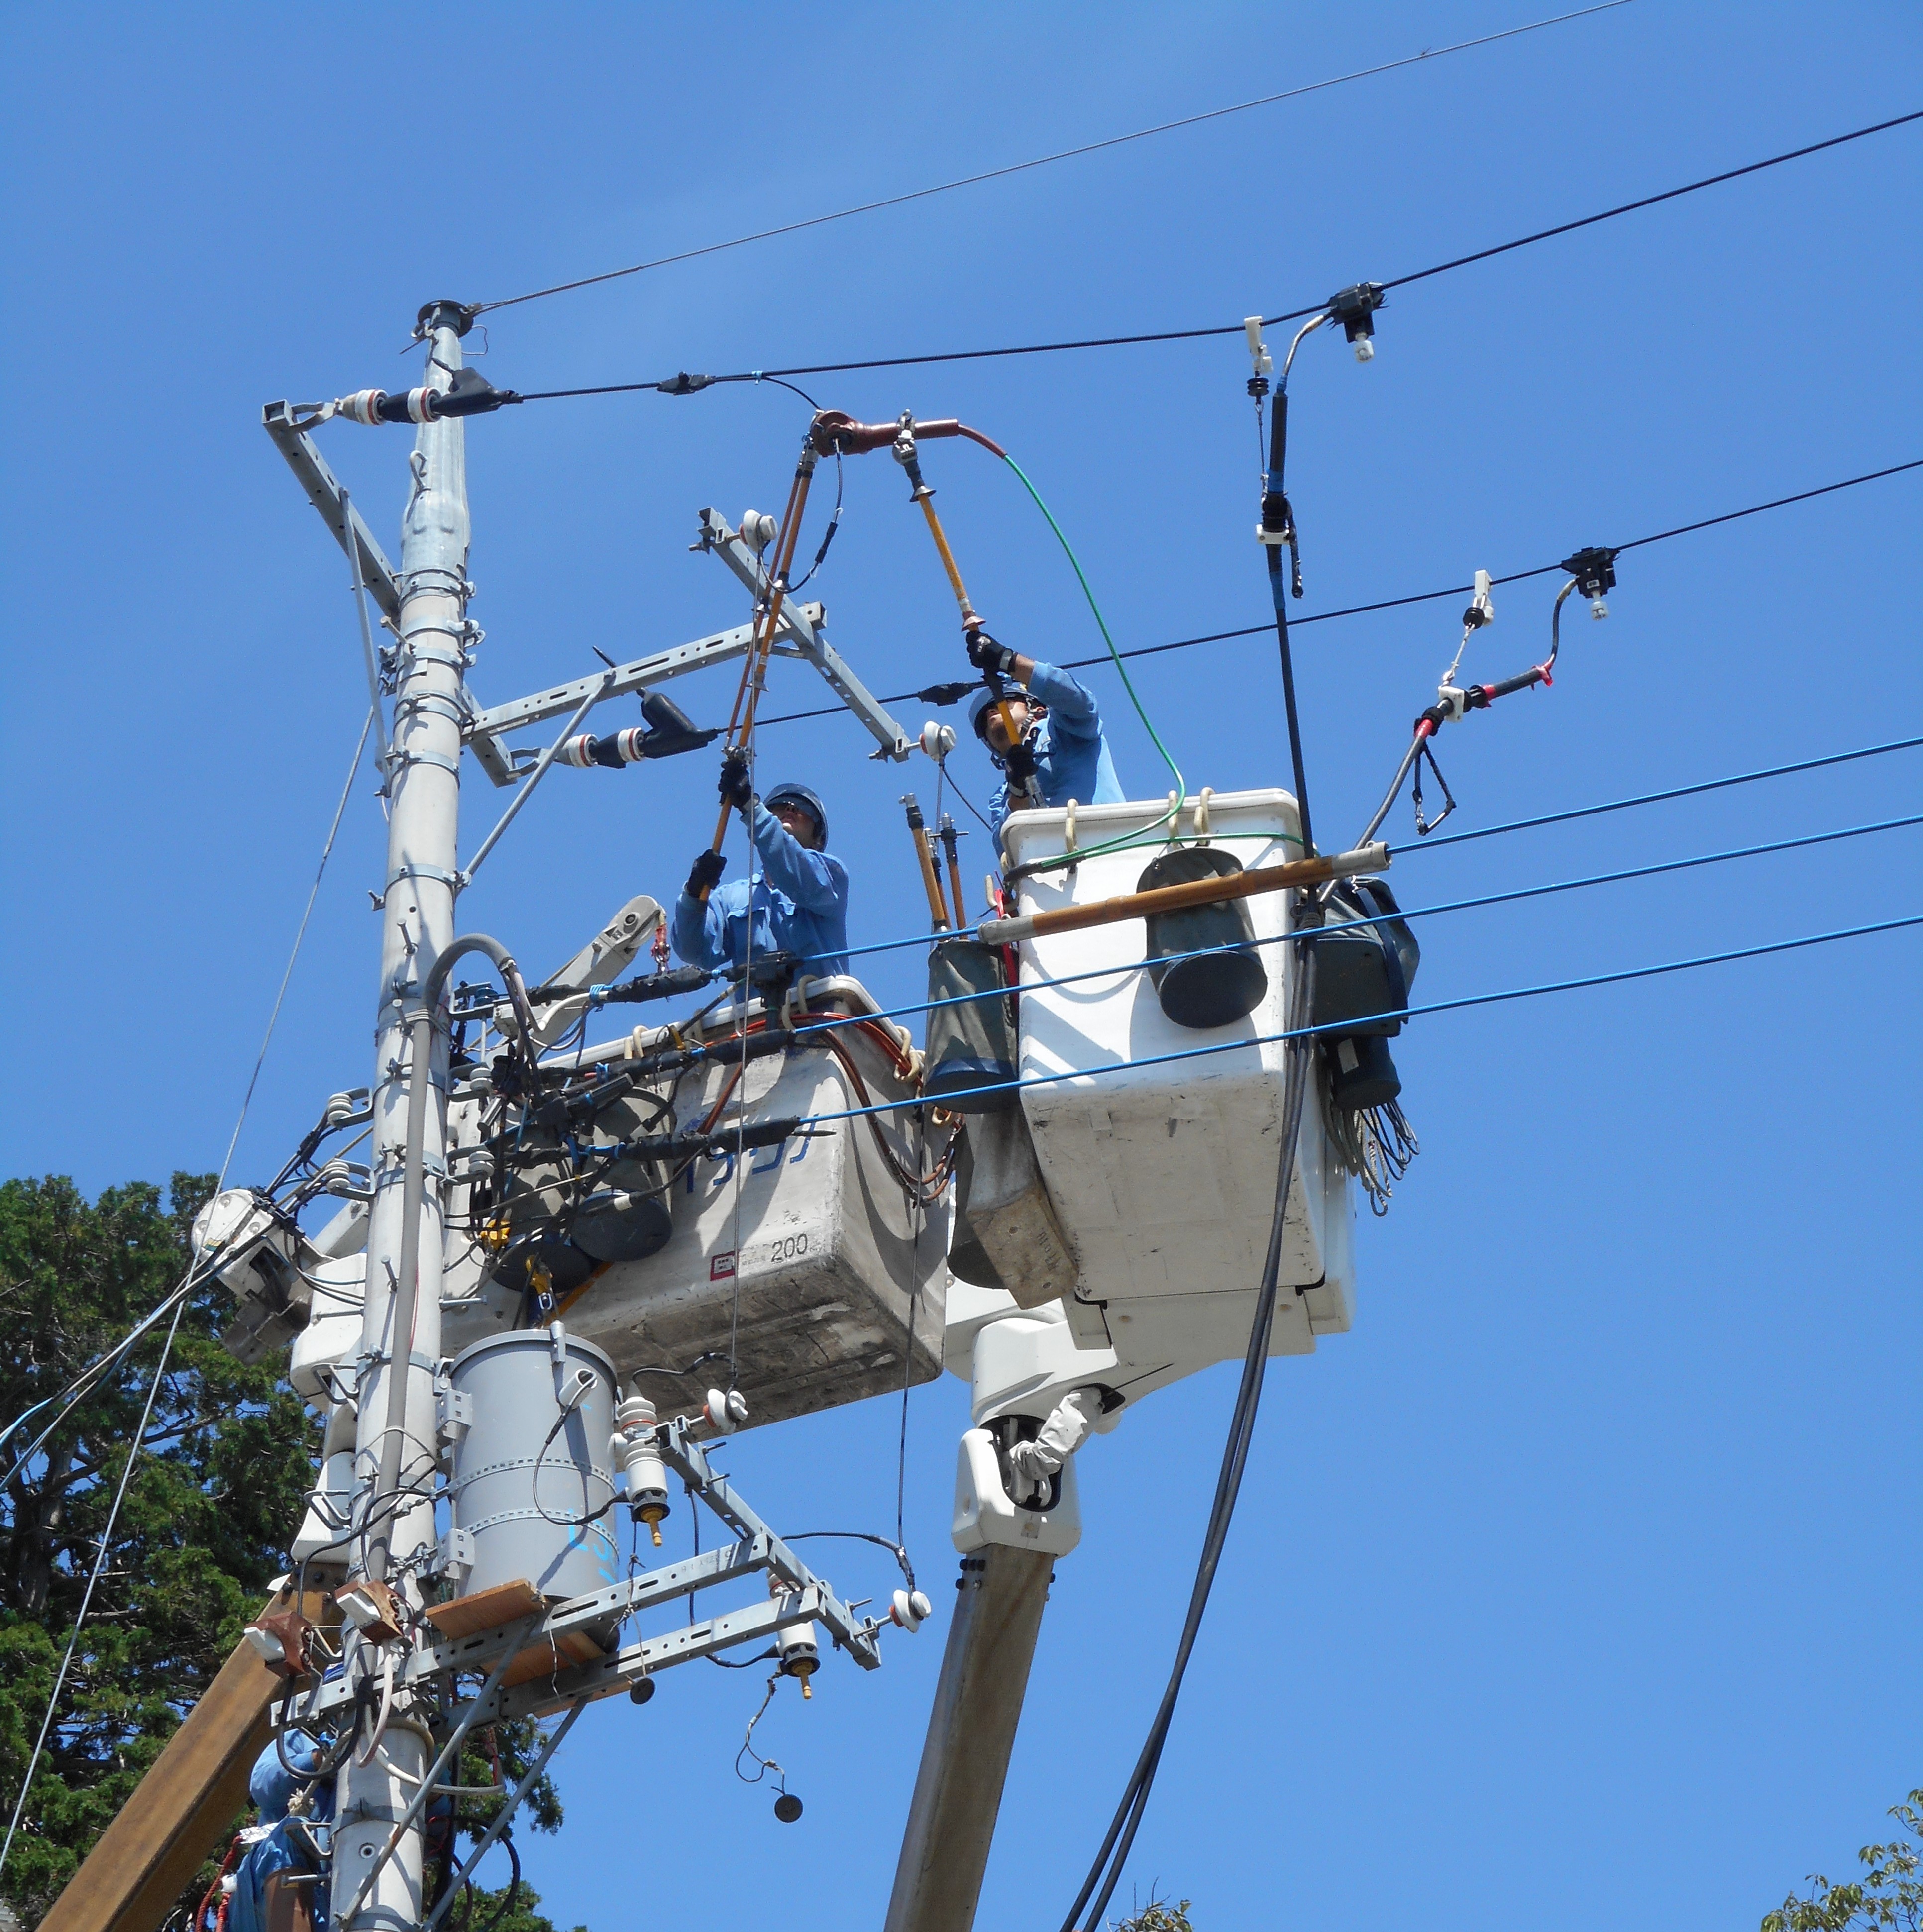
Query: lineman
[[1058, 721], [799, 893]]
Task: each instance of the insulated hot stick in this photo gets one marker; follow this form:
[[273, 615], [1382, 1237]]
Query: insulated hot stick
[[754, 669], [931, 883], [1296, 872], [837, 434], [948, 845]]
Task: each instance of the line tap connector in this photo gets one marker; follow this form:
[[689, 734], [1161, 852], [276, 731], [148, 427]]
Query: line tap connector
[[1354, 307]]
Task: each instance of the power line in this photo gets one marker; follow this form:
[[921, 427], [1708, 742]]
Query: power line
[[684, 384], [1419, 597], [1045, 160]]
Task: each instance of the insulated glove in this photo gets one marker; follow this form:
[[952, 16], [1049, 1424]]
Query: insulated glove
[[707, 868], [985, 654], [737, 788]]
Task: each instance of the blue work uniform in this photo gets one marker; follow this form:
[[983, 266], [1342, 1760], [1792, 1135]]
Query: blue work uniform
[[1072, 758], [801, 905], [272, 1787]]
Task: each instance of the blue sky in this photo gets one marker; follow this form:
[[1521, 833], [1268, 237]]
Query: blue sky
[[1576, 1585]]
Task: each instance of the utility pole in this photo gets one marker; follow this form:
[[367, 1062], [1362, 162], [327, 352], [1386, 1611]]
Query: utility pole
[[394, 1436]]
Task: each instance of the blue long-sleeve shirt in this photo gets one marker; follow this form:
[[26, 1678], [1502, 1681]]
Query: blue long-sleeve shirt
[[1072, 758], [800, 900]]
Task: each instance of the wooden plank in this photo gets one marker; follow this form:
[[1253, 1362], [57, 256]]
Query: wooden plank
[[504, 1603], [187, 1800], [551, 1657]]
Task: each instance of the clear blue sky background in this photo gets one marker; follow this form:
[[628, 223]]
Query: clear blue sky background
[[1577, 1584]]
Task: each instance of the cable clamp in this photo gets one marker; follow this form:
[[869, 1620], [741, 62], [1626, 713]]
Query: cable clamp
[[451, 880], [397, 759]]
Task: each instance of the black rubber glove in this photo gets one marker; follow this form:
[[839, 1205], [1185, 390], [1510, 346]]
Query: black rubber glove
[[985, 654], [737, 788], [707, 869]]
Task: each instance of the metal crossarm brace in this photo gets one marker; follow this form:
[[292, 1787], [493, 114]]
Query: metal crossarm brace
[[485, 731], [801, 625], [686, 1458], [324, 492]]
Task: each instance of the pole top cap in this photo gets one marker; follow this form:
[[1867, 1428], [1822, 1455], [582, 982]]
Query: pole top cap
[[445, 314]]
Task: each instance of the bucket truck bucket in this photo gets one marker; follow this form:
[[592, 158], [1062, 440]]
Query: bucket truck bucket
[[1163, 1170]]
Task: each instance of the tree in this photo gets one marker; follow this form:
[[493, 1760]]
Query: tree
[[226, 1458], [1157, 1916], [1889, 1893]]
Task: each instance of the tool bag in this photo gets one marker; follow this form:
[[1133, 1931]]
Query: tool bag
[[971, 1043]]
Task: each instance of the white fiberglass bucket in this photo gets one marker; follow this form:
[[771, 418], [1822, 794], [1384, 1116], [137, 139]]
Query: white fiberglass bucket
[[1163, 1170]]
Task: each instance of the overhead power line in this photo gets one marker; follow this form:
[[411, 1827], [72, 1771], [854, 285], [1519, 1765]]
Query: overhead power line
[[1420, 596], [1045, 160], [682, 384]]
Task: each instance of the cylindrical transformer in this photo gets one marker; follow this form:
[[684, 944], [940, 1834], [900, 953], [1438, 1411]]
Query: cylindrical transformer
[[636, 1450], [529, 1491]]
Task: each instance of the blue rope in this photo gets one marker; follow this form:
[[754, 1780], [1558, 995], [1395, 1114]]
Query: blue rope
[[1348, 925], [1404, 1012], [1656, 797], [1515, 825]]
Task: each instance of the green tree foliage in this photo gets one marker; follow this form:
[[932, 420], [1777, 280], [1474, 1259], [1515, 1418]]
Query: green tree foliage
[[1889, 1893], [227, 1457], [223, 1466]]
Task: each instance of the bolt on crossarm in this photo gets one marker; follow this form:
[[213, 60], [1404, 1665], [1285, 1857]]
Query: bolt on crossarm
[[417, 925]]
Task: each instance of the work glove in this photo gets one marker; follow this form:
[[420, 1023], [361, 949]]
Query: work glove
[[737, 788], [707, 869], [985, 654]]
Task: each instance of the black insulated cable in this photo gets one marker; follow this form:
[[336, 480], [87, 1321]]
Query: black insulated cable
[[1106, 1872], [944, 694], [1039, 161], [1236, 328]]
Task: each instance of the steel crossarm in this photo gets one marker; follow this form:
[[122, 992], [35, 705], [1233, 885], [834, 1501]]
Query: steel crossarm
[[800, 624], [634, 1661], [478, 1650], [485, 730], [685, 1456], [324, 492]]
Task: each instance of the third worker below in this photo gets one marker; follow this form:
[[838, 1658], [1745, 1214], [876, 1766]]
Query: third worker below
[[798, 891], [1055, 719]]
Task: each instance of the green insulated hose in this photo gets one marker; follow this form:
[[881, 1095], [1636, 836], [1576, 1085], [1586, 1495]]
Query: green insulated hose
[[1173, 814]]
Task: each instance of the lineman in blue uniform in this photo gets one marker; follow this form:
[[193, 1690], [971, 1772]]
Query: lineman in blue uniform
[[1058, 721], [799, 892], [276, 1856]]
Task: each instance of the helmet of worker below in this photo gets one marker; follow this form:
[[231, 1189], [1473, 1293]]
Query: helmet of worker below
[[978, 706], [799, 794]]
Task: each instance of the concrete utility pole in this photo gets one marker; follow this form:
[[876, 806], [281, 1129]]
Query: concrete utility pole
[[417, 923], [970, 1734]]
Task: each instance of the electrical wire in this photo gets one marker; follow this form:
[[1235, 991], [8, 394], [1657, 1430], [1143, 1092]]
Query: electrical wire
[[307, 913], [93, 1578], [1173, 812], [1106, 1871], [1234, 328], [1267, 627], [1044, 160]]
